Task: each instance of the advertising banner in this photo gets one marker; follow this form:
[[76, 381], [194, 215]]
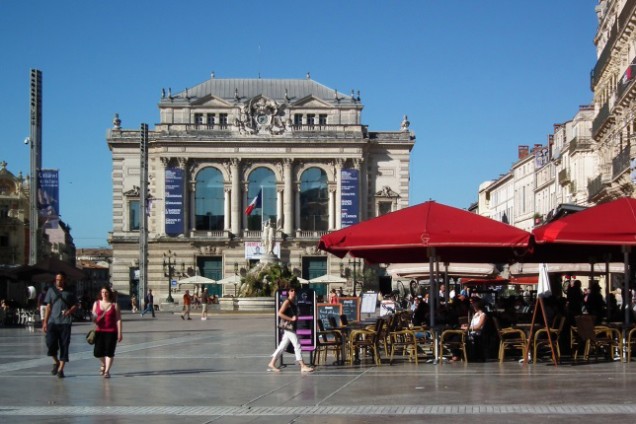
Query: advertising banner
[[174, 201], [255, 250], [49, 198], [350, 197]]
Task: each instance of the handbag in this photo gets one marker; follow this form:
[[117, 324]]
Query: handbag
[[90, 337], [283, 324]]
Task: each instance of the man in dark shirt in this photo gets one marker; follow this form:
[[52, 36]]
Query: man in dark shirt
[[150, 304], [58, 318]]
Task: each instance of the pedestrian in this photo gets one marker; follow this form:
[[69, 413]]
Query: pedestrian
[[288, 313], [333, 297], [205, 299], [108, 329], [58, 319], [133, 303], [41, 304], [150, 304], [187, 301]]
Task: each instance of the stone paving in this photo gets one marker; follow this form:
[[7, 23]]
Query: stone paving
[[214, 371]]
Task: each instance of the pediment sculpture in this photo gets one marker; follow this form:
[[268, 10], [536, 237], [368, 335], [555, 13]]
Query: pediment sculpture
[[260, 115]]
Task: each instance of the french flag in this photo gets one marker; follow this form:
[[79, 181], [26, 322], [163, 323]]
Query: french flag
[[256, 203]]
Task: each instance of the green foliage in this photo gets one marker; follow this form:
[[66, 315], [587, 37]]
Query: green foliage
[[264, 279]]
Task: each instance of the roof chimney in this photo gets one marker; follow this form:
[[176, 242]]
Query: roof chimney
[[524, 151]]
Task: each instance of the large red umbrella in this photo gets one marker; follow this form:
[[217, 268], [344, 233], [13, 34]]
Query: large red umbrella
[[416, 233], [429, 232], [606, 231]]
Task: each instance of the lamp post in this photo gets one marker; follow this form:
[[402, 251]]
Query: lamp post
[[169, 262], [356, 264], [235, 278]]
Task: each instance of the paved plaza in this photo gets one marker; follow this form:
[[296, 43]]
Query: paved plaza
[[168, 370]]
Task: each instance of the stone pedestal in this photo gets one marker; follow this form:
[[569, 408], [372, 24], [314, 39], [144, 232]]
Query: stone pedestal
[[269, 258]]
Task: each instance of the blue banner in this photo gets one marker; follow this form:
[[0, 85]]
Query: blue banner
[[49, 198], [174, 201], [349, 197]]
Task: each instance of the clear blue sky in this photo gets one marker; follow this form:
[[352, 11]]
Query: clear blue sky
[[476, 78]]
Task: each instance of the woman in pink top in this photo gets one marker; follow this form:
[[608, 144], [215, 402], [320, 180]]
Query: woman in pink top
[[107, 318]]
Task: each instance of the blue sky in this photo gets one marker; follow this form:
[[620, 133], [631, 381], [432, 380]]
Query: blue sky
[[476, 78]]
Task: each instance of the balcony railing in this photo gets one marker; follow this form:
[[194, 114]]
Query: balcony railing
[[595, 186], [308, 234], [579, 144], [620, 163], [601, 118], [564, 177]]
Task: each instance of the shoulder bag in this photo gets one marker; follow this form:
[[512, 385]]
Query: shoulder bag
[[90, 336]]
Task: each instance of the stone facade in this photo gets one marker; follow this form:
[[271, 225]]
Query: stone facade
[[298, 143]]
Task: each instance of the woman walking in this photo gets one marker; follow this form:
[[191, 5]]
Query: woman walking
[[288, 313], [108, 330]]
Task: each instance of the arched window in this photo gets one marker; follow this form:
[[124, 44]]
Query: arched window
[[265, 180], [209, 200], [314, 200]]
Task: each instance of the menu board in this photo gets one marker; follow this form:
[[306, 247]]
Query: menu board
[[306, 324], [369, 300], [328, 309], [350, 308]]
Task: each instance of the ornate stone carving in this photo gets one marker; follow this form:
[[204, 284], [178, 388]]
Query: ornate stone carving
[[387, 192], [404, 126], [260, 115]]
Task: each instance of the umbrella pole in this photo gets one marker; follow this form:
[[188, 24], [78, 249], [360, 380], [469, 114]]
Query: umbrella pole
[[432, 299]]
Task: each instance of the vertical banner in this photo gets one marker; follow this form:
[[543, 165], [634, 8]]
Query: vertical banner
[[49, 198], [174, 201], [350, 197]]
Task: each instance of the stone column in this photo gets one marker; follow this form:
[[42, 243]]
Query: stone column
[[297, 208], [191, 215], [288, 204], [235, 204], [227, 191], [333, 210], [279, 208]]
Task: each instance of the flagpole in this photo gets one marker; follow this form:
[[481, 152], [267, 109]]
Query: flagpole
[[262, 210]]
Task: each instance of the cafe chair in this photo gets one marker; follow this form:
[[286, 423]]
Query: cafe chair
[[452, 340], [405, 342], [631, 340], [367, 341], [332, 321], [510, 339], [328, 341], [588, 337], [541, 340]]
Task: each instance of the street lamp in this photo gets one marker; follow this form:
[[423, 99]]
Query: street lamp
[[169, 262], [235, 278], [356, 264]]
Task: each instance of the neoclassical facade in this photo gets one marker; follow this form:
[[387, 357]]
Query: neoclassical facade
[[291, 152]]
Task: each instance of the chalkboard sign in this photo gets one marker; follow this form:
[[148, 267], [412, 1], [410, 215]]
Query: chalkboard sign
[[350, 307], [328, 309], [369, 300]]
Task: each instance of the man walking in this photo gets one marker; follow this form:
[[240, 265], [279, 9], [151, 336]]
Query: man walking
[[58, 318], [205, 299], [187, 301], [150, 304]]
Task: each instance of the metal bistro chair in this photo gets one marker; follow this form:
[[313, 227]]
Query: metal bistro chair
[[541, 340], [631, 340], [509, 339], [328, 341], [453, 339], [589, 338], [367, 340]]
